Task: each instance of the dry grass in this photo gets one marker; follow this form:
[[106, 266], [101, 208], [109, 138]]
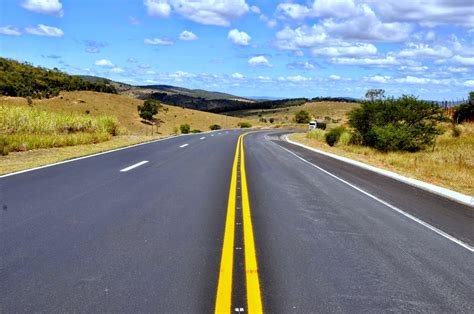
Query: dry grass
[[125, 110], [284, 116], [17, 161], [450, 164]]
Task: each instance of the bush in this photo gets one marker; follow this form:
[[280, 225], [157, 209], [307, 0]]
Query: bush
[[317, 134], [333, 136], [406, 123], [196, 131], [185, 128], [271, 120], [4, 148], [302, 117], [263, 120], [244, 125], [215, 127], [345, 138], [464, 112]]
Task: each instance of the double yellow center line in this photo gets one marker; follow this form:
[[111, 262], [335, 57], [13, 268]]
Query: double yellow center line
[[224, 288]]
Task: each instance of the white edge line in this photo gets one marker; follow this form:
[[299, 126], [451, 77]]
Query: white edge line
[[452, 195], [96, 154], [134, 166], [432, 228], [184, 145]]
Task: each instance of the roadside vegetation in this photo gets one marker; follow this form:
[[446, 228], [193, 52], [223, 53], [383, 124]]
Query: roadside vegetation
[[404, 135], [23, 128]]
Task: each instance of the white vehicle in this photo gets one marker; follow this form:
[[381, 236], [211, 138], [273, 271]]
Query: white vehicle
[[313, 125]]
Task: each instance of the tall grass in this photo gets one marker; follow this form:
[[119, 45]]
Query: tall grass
[[24, 128]]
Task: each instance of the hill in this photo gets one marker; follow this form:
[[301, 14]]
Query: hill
[[125, 109], [24, 80]]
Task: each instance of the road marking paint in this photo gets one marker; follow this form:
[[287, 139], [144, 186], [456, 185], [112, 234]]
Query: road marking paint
[[212, 134], [254, 299], [134, 166], [202, 138], [421, 222], [224, 286], [184, 145]]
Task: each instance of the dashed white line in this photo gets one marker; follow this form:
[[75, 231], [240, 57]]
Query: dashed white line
[[134, 166], [202, 138], [184, 145]]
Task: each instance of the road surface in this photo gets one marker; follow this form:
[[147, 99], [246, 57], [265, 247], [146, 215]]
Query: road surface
[[220, 222]]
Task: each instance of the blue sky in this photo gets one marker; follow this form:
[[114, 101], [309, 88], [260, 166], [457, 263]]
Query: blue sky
[[253, 48]]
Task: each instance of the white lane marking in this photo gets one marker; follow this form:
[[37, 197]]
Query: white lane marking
[[134, 166], [202, 138], [212, 134], [184, 145], [421, 222]]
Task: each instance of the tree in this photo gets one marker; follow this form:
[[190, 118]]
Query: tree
[[148, 110], [406, 123], [471, 95], [465, 112], [302, 117], [375, 94]]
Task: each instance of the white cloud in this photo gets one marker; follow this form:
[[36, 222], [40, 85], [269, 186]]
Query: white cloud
[[104, 63], [187, 35], [466, 61], [423, 50], [334, 8], [458, 69], [255, 9], [44, 30], [334, 77], [416, 68], [238, 37], [381, 61], [355, 50], [237, 76], [263, 78], [159, 8], [10, 30], [158, 41], [378, 79], [259, 61], [208, 12], [297, 78], [301, 65], [51, 7], [469, 83], [301, 37], [117, 70], [412, 80], [294, 10]]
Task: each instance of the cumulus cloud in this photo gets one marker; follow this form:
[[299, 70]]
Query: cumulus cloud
[[469, 83], [378, 79], [260, 61], [255, 9], [208, 12], [159, 8], [51, 7], [361, 49], [44, 30], [379, 61], [187, 35], [158, 41], [412, 80], [104, 63], [238, 37], [301, 37], [237, 76], [423, 50], [301, 65], [10, 30], [466, 61], [117, 70], [334, 77]]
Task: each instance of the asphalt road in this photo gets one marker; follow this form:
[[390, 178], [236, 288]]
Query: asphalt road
[[142, 230]]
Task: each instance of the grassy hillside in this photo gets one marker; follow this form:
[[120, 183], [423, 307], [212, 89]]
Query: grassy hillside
[[125, 110], [332, 111], [25, 80]]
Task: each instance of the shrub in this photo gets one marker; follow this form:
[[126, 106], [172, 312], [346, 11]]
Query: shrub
[[344, 139], [4, 149], [185, 128], [271, 120], [196, 131], [302, 117], [243, 125], [214, 127], [464, 112], [391, 124], [333, 135], [263, 120], [317, 134]]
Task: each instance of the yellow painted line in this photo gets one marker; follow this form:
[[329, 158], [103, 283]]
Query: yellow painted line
[[254, 299], [224, 287]]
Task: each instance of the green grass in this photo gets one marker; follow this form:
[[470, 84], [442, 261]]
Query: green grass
[[25, 128]]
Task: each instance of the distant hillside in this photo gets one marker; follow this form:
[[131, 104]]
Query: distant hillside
[[25, 80]]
